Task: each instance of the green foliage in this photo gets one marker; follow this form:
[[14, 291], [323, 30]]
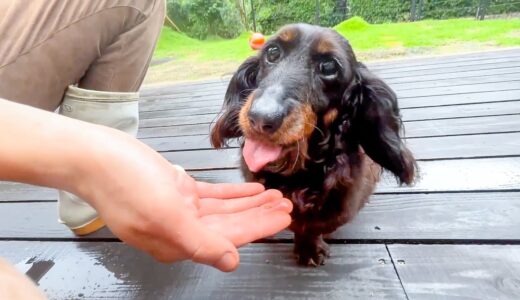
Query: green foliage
[[228, 18], [443, 9], [381, 11], [272, 14], [204, 18], [503, 6], [385, 11]]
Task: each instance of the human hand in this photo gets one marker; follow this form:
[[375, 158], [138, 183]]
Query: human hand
[[143, 199], [157, 207]]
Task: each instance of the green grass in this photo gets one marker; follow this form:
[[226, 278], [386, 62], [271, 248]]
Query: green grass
[[362, 36], [430, 33], [180, 46]]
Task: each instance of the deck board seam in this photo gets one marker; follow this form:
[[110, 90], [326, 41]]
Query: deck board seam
[[397, 272]]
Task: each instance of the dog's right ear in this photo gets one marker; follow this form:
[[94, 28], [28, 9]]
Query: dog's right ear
[[242, 84]]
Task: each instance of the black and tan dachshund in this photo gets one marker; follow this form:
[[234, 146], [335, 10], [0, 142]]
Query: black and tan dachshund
[[316, 124]]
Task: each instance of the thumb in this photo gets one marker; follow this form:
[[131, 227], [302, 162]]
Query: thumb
[[210, 248]]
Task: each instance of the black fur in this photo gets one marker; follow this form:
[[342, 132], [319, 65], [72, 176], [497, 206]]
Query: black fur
[[330, 173]]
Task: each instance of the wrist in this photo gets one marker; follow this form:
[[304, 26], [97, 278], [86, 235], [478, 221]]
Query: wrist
[[46, 149]]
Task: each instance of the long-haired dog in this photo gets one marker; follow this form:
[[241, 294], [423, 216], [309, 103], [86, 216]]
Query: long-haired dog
[[316, 124]]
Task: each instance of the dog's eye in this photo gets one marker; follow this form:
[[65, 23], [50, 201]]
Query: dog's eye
[[329, 68], [273, 54]]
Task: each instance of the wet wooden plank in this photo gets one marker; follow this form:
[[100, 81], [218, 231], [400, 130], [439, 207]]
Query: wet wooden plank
[[458, 271], [435, 148], [178, 120], [171, 131], [469, 146], [475, 125], [456, 81], [455, 217], [175, 103], [458, 85], [448, 76], [13, 191], [442, 70], [410, 64], [411, 102], [465, 175], [180, 142], [437, 217], [217, 92], [409, 114], [460, 89], [172, 113], [406, 91], [440, 59], [461, 111], [152, 92], [114, 271], [468, 98], [495, 174], [426, 128], [190, 102], [446, 147], [396, 69]]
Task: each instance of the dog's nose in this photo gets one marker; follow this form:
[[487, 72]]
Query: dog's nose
[[265, 122]]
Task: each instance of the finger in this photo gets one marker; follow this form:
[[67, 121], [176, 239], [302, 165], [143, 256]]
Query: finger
[[208, 206], [228, 190], [179, 168], [253, 224], [208, 247]]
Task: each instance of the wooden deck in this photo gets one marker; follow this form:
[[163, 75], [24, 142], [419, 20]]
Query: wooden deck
[[455, 235]]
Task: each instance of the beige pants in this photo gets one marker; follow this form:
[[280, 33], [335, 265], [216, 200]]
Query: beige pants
[[47, 45]]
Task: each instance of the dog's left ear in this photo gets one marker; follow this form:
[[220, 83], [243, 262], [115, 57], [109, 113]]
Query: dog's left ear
[[241, 85], [376, 124]]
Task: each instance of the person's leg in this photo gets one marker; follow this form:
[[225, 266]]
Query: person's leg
[[14, 285], [102, 46], [47, 45]]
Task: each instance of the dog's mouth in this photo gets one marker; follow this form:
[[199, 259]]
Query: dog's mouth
[[281, 150], [257, 154]]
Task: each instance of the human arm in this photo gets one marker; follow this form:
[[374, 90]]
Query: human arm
[[143, 199]]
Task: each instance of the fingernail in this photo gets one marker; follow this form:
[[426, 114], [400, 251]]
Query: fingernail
[[279, 205], [227, 263]]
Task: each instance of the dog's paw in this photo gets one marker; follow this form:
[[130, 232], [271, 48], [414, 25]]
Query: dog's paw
[[311, 251]]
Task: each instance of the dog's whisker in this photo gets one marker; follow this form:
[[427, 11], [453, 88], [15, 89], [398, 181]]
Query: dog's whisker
[[317, 128], [297, 155]]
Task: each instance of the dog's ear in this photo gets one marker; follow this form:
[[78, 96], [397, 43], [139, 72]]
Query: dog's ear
[[241, 85], [376, 124]]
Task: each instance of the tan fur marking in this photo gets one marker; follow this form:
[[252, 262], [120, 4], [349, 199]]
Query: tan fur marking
[[303, 116], [243, 120], [325, 46], [288, 35], [330, 117]]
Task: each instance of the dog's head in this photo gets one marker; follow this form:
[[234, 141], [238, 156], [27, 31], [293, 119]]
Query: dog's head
[[306, 90]]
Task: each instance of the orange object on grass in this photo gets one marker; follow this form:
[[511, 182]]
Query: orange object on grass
[[256, 41]]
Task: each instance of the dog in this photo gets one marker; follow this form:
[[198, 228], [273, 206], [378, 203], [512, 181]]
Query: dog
[[316, 124]]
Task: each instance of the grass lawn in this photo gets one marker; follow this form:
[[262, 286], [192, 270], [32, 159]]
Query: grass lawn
[[195, 59]]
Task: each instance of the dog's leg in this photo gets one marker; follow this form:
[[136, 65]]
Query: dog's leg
[[310, 250]]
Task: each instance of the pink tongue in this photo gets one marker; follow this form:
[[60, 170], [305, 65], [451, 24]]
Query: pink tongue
[[257, 155]]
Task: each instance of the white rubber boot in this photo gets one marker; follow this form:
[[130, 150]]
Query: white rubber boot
[[116, 110]]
